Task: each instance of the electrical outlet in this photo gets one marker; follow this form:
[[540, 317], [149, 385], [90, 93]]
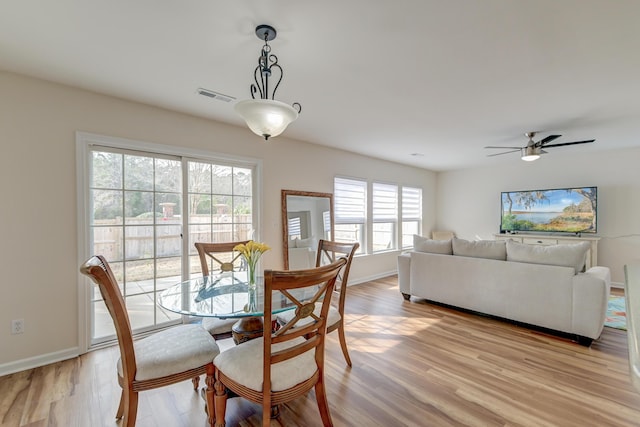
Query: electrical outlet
[[17, 326]]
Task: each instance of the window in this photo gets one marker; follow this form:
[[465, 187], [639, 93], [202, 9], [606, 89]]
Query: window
[[138, 202], [295, 227], [350, 210], [385, 216], [411, 214], [219, 206]]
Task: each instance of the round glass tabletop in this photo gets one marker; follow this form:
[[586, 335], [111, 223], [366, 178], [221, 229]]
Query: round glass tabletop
[[224, 295]]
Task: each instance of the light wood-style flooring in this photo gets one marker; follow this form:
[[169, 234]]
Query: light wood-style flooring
[[414, 364]]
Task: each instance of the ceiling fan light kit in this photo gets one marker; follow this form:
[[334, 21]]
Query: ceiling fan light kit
[[533, 150], [265, 116], [529, 154]]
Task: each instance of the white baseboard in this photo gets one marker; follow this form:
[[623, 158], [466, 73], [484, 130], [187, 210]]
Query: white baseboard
[[37, 361], [617, 285]]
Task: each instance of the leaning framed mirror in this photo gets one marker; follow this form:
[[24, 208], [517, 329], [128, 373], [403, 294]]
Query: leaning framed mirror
[[307, 217]]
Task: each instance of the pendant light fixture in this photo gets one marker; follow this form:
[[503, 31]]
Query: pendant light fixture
[[265, 116]]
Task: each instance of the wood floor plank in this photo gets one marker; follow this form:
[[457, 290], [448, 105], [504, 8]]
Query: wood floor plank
[[414, 364]]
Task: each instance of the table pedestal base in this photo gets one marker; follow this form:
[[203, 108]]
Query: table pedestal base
[[247, 329]]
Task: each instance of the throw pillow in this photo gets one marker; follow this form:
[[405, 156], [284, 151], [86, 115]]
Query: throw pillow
[[573, 255], [424, 244], [491, 249]]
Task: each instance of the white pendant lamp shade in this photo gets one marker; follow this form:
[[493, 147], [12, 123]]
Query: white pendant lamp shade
[[266, 117]]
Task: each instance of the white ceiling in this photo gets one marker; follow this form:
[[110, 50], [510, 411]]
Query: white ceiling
[[442, 78]]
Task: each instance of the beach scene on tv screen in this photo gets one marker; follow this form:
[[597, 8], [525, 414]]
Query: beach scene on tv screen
[[570, 210]]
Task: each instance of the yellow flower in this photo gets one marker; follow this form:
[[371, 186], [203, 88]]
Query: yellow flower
[[251, 251]]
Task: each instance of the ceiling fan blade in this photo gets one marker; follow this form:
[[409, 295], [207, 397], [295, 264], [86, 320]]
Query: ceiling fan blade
[[548, 139], [506, 152], [569, 143], [507, 148]]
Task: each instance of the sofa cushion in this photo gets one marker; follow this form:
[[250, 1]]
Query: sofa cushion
[[492, 249], [573, 255], [424, 244]]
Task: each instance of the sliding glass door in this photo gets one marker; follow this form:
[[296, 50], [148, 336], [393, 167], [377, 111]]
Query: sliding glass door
[[136, 206], [143, 214]]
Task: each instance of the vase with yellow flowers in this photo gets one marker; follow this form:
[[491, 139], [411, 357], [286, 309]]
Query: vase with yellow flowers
[[251, 252]]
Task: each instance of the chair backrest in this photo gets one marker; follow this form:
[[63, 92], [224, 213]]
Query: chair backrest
[[320, 281], [227, 262], [329, 252], [98, 269], [442, 235]]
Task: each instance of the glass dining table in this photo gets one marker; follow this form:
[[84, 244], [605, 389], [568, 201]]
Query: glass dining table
[[225, 295]]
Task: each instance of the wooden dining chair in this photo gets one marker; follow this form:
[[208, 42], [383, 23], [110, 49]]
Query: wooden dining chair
[[218, 258], [282, 366], [328, 252], [172, 355]]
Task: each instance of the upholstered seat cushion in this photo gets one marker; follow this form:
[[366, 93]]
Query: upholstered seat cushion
[[243, 364], [171, 351], [217, 326], [332, 318]]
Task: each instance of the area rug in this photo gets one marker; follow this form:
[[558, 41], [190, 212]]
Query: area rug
[[616, 314]]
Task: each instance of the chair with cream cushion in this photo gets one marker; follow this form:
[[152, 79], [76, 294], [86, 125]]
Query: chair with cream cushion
[[217, 258], [328, 252], [166, 357], [442, 235], [285, 365]]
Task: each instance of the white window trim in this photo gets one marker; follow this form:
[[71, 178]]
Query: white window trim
[[84, 141]]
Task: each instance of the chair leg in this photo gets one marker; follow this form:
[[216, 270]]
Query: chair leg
[[220, 403], [120, 412], [266, 415], [343, 344], [323, 404], [196, 382], [130, 408], [210, 381]]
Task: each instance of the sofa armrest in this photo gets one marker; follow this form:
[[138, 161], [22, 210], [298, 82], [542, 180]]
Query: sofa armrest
[[590, 297], [404, 273], [632, 300]]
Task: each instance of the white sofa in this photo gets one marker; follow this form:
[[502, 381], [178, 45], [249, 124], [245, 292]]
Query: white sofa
[[541, 286]]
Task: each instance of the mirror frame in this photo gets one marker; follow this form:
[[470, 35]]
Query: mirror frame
[[285, 222]]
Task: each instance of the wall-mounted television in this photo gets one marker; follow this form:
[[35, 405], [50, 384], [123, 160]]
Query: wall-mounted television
[[560, 210]]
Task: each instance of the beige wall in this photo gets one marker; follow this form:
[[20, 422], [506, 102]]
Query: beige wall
[[39, 259], [615, 173]]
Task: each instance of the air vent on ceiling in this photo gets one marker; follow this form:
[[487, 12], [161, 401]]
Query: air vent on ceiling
[[216, 95]]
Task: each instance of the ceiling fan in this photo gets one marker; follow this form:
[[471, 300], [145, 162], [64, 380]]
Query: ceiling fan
[[533, 149]]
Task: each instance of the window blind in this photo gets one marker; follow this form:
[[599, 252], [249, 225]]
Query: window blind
[[411, 204], [350, 201], [384, 202]]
